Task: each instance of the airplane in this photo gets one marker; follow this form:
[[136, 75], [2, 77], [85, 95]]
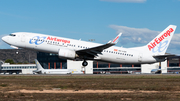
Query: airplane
[[73, 49], [156, 71], [41, 70]]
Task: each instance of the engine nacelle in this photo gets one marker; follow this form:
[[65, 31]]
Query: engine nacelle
[[66, 53]]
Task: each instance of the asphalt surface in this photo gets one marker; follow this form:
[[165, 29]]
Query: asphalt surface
[[83, 74]]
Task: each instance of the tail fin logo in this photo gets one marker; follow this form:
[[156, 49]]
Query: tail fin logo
[[162, 46], [160, 39]]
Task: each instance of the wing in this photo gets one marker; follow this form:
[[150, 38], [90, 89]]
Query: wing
[[92, 52], [37, 71]]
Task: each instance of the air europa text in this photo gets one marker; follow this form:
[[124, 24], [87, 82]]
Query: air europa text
[[161, 38], [58, 40]]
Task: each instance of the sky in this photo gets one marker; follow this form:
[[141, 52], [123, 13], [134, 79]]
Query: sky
[[101, 20]]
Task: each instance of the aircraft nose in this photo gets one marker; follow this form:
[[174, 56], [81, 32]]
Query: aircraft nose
[[5, 38]]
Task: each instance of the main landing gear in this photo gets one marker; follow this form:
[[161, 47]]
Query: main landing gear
[[85, 63]]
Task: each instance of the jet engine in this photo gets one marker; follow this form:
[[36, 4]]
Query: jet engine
[[66, 53]]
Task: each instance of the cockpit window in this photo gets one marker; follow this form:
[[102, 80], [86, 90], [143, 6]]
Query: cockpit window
[[12, 35]]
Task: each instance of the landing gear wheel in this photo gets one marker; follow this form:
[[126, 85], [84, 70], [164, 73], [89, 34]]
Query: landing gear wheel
[[85, 63]]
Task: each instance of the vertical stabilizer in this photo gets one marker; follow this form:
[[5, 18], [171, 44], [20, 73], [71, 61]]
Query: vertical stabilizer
[[160, 43], [38, 65]]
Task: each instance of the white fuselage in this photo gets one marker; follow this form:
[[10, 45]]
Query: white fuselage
[[52, 44]]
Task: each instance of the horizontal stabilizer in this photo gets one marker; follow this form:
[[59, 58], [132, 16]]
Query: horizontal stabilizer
[[160, 58], [164, 56]]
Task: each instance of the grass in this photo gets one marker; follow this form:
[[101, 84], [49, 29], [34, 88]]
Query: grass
[[90, 97], [3, 85], [94, 82], [120, 82]]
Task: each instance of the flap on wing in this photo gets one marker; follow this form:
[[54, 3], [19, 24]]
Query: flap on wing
[[97, 49]]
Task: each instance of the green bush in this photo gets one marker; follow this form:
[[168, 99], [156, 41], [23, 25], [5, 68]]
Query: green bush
[[9, 61]]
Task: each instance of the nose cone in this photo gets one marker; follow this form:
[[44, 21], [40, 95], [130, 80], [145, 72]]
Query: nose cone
[[4, 38]]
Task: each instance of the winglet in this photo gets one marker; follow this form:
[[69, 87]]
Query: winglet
[[116, 39]]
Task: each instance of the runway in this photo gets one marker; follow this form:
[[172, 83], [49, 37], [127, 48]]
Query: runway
[[87, 74]]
